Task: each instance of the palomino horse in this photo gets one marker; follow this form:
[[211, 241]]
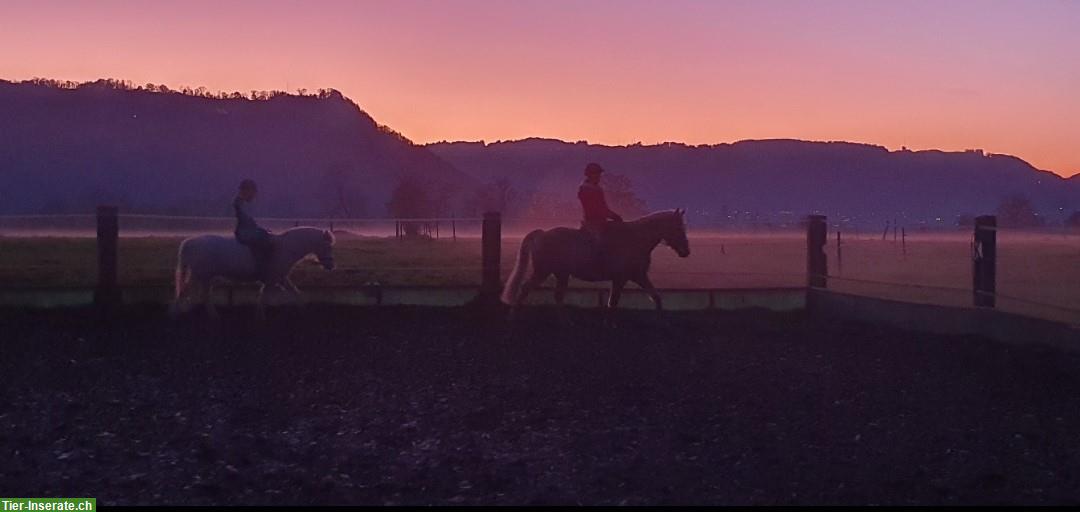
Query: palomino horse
[[207, 258], [569, 252]]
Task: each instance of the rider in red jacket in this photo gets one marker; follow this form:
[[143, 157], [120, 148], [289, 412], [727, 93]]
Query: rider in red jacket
[[593, 204], [596, 213]]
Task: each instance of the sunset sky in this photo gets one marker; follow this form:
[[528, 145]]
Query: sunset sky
[[1003, 76]]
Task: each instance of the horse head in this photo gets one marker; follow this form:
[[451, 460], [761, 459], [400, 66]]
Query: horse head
[[675, 233]]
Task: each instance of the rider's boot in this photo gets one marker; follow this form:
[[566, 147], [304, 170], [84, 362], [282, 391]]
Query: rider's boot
[[262, 260]]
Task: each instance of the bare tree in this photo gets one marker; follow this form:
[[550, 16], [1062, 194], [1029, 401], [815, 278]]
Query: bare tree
[[340, 191], [1016, 211], [562, 207], [410, 200], [1074, 220], [498, 195], [619, 191]]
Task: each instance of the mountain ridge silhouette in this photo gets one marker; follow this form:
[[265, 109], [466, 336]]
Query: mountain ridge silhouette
[[851, 180], [66, 147]]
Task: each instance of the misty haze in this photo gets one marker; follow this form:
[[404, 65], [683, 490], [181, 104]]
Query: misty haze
[[586, 252]]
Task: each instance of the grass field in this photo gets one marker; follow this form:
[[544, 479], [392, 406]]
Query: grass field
[[56, 261], [1038, 267]]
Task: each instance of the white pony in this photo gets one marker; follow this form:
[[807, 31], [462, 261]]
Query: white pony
[[207, 258]]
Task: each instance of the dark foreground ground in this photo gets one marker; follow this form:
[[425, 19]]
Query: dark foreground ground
[[413, 405]]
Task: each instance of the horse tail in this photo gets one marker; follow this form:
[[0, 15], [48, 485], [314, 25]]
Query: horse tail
[[183, 270], [521, 268]]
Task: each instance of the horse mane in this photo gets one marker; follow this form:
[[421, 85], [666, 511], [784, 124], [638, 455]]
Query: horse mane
[[654, 217], [305, 230]]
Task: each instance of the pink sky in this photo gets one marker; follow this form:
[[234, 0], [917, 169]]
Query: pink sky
[[1003, 76]]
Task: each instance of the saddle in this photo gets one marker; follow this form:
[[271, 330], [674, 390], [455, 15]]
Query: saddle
[[261, 244], [597, 235]]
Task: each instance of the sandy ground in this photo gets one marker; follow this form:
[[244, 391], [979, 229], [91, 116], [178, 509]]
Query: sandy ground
[[328, 405]]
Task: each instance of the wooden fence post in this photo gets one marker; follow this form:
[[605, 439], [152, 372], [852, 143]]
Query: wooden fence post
[[107, 293], [491, 249], [984, 261], [816, 263], [839, 254]]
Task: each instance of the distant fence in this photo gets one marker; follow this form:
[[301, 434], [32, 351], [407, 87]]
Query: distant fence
[[184, 225], [110, 226], [1035, 273], [1032, 272]]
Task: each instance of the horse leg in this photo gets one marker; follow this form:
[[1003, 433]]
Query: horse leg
[[530, 283], [192, 295], [526, 287], [260, 305], [182, 302], [515, 306], [613, 302], [647, 285], [294, 291], [616, 292], [205, 296], [561, 282]]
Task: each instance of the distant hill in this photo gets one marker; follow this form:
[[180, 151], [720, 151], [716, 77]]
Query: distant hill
[[781, 179], [66, 147]]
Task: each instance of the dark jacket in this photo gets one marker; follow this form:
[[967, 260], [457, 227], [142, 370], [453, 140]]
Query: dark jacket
[[247, 230]]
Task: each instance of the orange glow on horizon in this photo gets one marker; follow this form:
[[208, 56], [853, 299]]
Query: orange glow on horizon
[[998, 76]]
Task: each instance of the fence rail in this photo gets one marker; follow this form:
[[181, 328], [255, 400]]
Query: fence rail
[[839, 261]]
